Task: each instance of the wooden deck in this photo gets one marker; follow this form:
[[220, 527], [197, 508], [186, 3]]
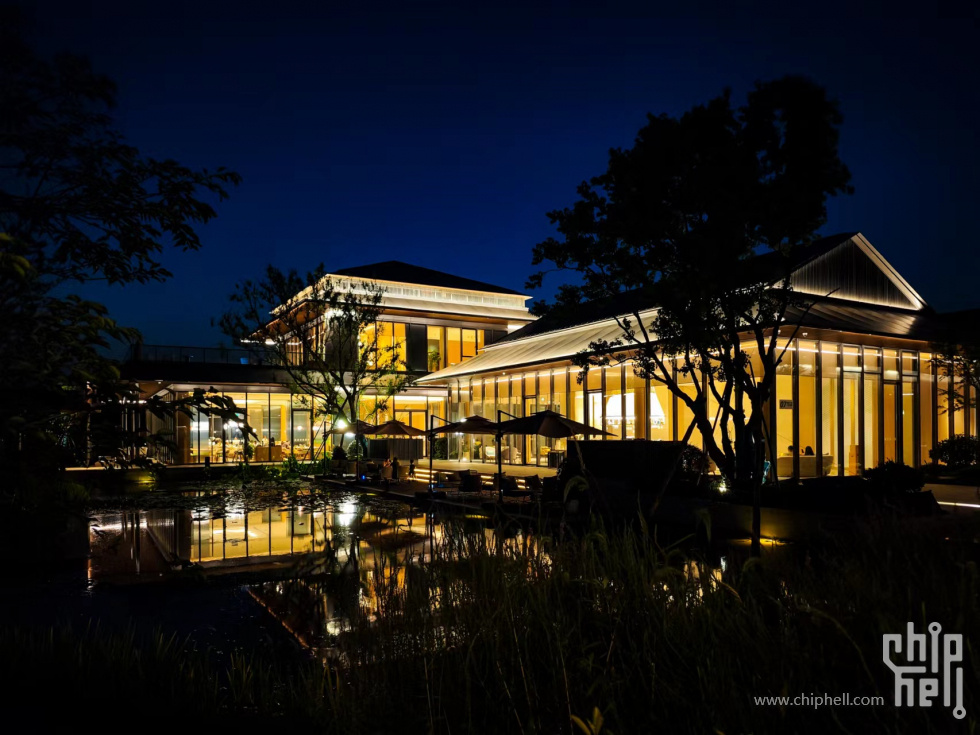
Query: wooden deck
[[485, 468]]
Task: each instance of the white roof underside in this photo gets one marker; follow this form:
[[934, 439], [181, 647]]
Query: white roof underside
[[548, 347]]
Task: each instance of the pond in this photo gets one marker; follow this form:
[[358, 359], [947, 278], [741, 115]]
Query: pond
[[312, 559]]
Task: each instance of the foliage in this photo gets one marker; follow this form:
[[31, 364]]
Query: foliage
[[77, 204], [339, 453], [895, 478], [957, 452], [325, 338], [440, 447], [960, 363], [676, 222], [433, 358], [610, 631]]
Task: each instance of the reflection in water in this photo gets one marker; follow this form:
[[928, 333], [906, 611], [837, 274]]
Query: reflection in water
[[231, 532], [347, 557]]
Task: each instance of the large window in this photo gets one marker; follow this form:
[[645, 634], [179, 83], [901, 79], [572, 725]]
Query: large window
[[200, 437], [685, 416], [462, 344], [909, 394], [851, 388], [810, 464], [594, 403], [943, 412], [614, 402], [786, 449], [959, 423], [873, 438], [435, 357], [454, 346], [391, 344], [661, 414], [891, 405], [636, 405], [829, 413], [469, 343], [577, 388]]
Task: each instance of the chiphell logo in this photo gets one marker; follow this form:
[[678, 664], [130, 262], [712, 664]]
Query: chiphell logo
[[923, 664]]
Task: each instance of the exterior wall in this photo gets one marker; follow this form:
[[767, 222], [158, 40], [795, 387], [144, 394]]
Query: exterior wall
[[284, 425], [837, 409]]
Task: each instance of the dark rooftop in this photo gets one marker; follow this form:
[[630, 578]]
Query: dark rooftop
[[396, 270]]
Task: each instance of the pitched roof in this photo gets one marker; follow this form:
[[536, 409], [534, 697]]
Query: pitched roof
[[768, 267], [399, 272], [824, 313]]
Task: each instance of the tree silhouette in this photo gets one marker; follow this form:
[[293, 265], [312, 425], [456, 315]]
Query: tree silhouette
[[77, 204], [676, 222], [325, 335]]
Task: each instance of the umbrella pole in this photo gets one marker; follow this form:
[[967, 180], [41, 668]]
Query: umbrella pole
[[432, 441], [500, 467], [500, 461]]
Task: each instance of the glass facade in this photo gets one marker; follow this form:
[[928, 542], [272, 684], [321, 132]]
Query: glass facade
[[281, 430], [284, 425], [837, 408]]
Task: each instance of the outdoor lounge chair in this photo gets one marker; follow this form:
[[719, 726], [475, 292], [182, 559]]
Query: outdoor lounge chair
[[534, 485], [470, 483], [509, 489], [447, 480]]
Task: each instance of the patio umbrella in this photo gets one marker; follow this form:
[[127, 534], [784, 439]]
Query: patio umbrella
[[550, 424], [469, 425], [546, 423], [361, 427], [395, 428], [358, 429]]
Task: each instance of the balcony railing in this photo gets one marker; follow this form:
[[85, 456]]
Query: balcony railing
[[201, 355]]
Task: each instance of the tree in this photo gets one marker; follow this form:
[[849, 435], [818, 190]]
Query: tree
[[325, 335], [77, 204], [676, 223], [960, 364]]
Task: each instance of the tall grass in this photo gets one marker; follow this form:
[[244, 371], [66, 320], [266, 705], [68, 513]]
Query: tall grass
[[607, 632], [523, 641]]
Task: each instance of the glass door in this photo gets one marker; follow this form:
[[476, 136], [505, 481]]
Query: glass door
[[530, 440], [300, 448]]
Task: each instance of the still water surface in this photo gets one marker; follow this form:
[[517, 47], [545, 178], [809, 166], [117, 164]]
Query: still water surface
[[323, 553]]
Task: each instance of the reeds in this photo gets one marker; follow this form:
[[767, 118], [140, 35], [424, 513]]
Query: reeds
[[607, 632]]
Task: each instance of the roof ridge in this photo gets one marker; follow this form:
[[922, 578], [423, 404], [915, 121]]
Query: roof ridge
[[399, 271]]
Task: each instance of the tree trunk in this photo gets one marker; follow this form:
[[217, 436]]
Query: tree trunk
[[758, 478]]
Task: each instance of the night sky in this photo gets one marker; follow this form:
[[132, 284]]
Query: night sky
[[441, 135]]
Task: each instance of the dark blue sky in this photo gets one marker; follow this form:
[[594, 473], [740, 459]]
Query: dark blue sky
[[442, 135]]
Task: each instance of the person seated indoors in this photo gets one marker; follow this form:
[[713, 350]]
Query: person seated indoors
[[808, 452]]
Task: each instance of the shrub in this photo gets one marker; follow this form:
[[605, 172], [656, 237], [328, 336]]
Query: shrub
[[440, 448], [694, 462], [895, 478], [958, 452], [339, 454]]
